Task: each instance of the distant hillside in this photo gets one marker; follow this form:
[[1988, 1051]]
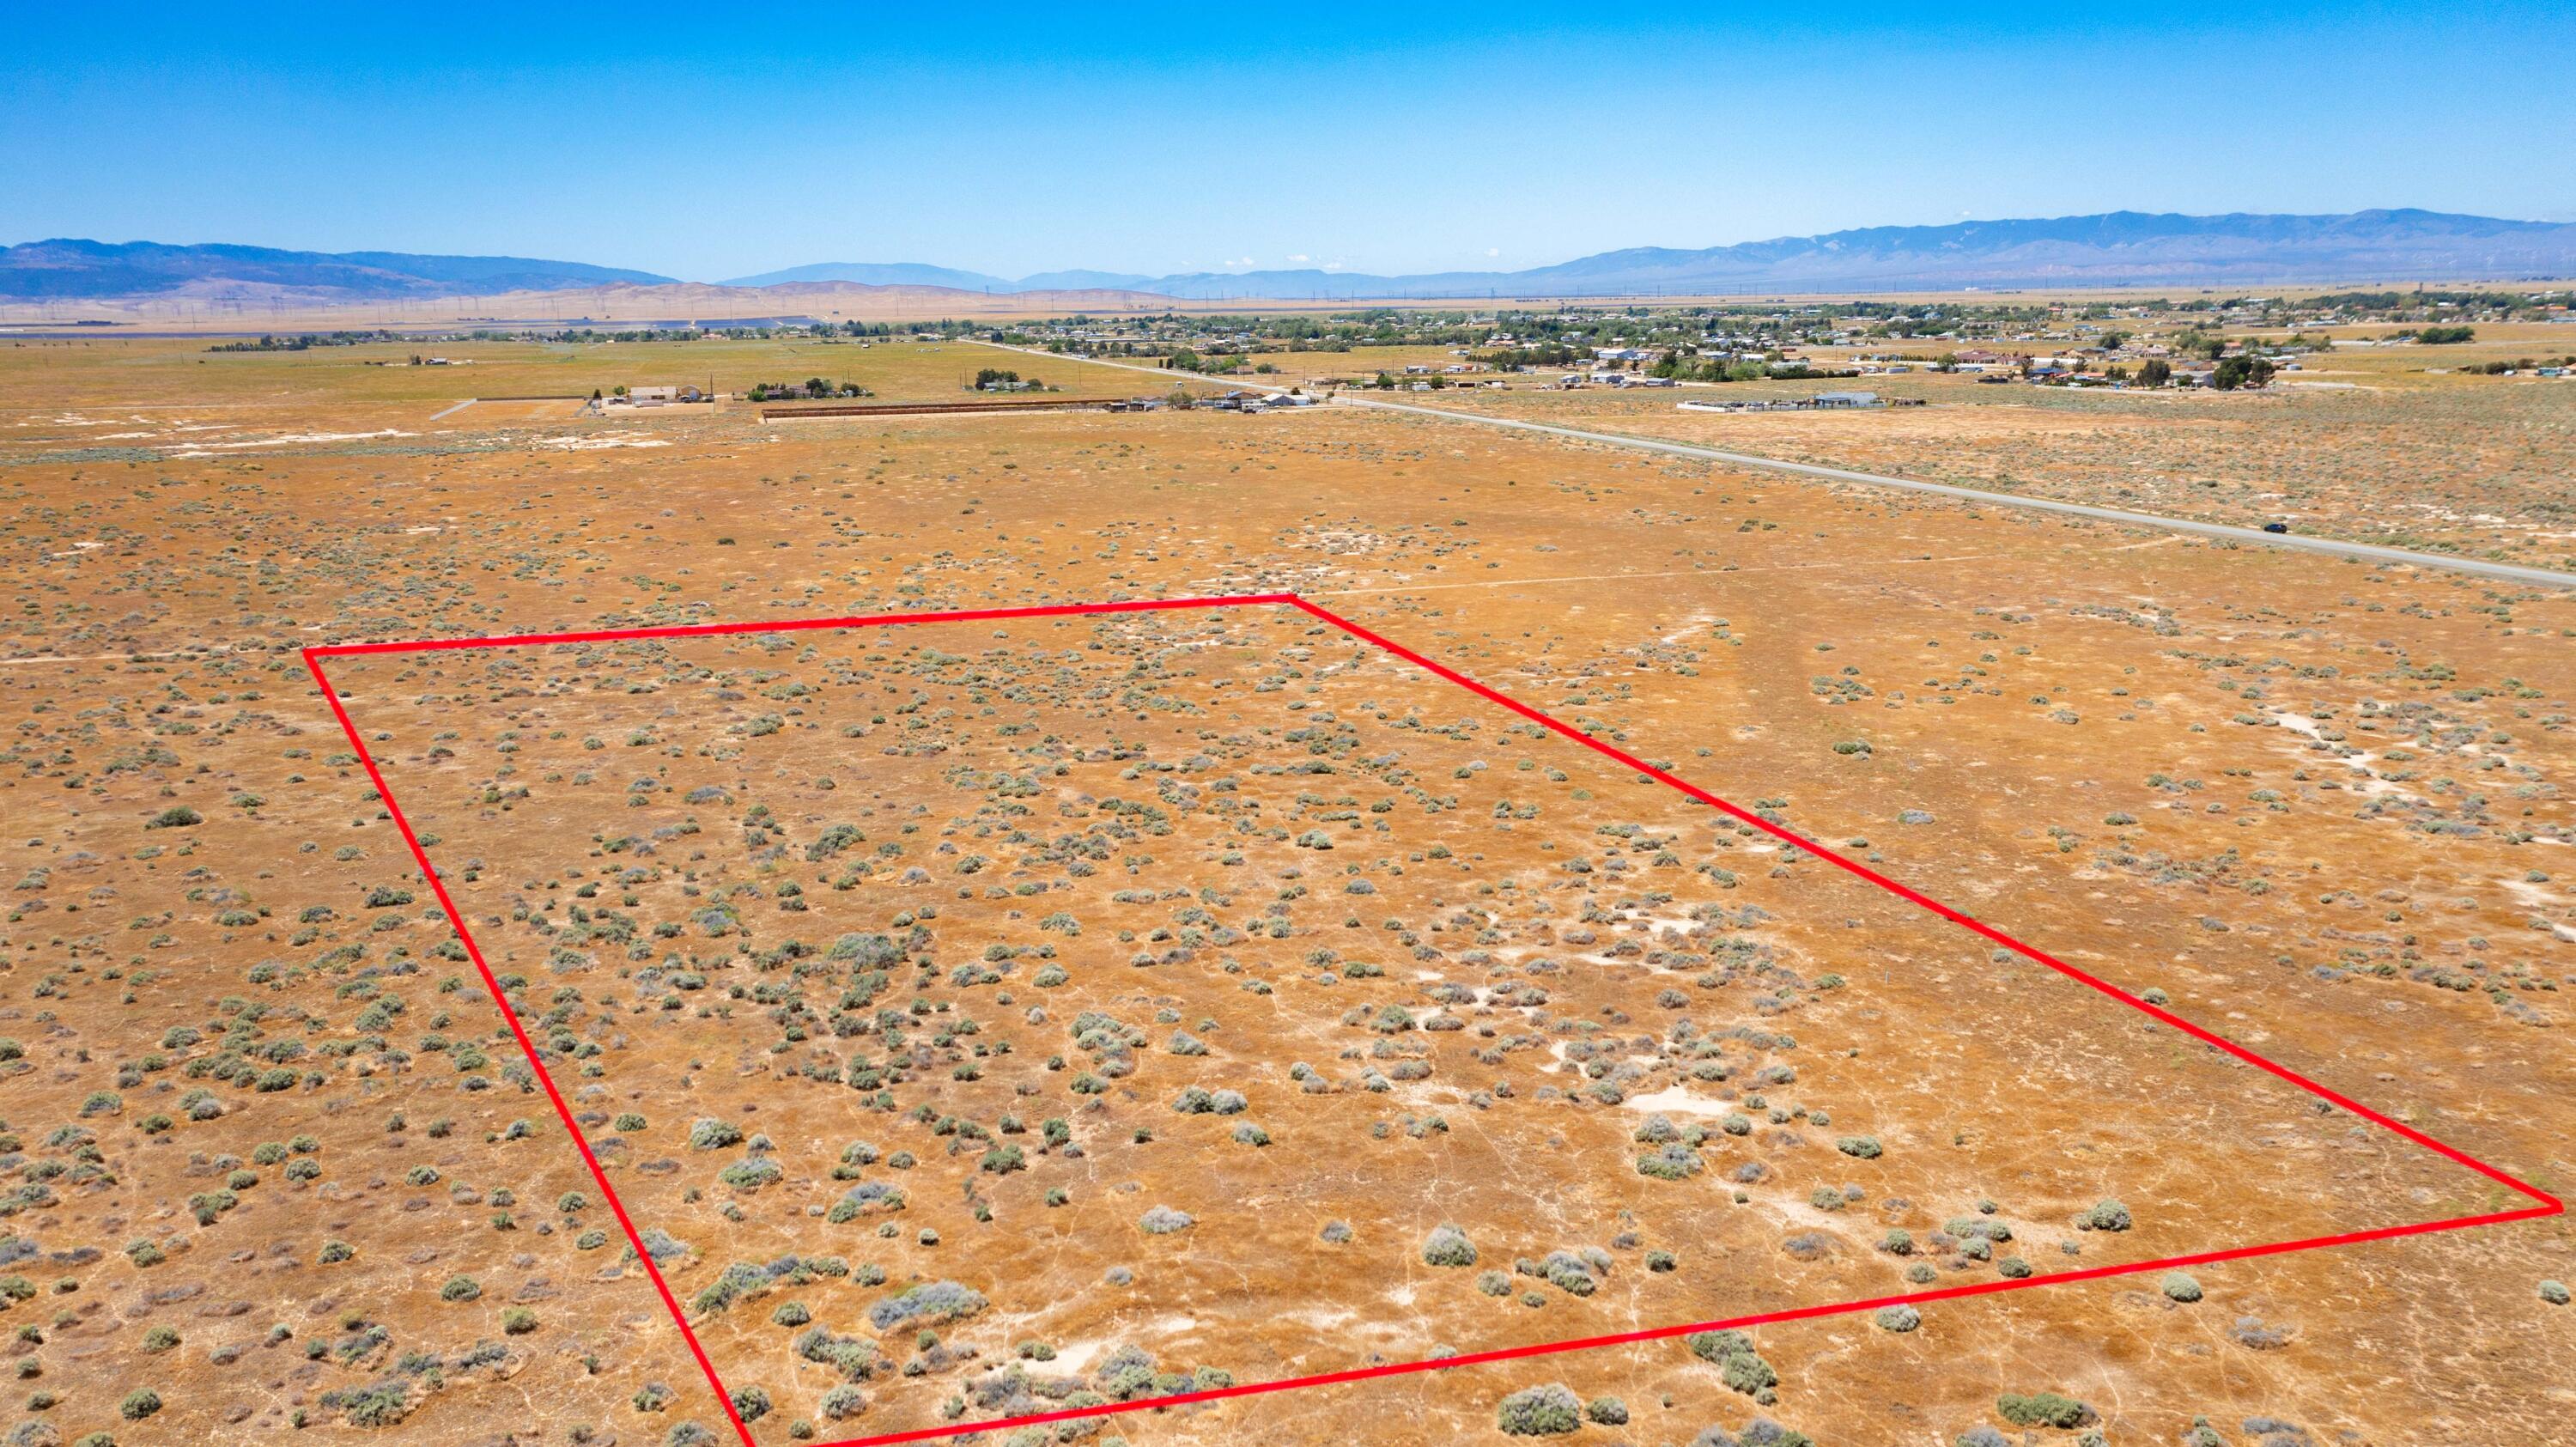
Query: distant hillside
[[882, 273], [72, 270], [2122, 248]]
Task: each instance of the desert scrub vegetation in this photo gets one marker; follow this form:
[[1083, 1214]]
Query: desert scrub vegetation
[[1447, 1245], [932, 1303], [2043, 1409], [1540, 1411], [2105, 1216], [1164, 1221], [1760, 1432], [1740, 1367]]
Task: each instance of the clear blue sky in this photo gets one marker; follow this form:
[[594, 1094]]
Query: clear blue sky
[[718, 141]]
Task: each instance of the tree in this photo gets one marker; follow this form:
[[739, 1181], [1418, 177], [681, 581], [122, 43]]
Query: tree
[[2155, 372], [2244, 370]]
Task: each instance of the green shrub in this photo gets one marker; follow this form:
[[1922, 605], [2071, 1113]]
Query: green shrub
[[2105, 1216], [2042, 1409], [1739, 1366], [1673, 1162], [1540, 1412], [1448, 1246]]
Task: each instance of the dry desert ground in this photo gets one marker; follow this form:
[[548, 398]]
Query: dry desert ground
[[1007, 1016]]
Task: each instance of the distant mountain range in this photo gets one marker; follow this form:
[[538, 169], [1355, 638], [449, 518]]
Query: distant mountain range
[[66, 270], [2121, 248]]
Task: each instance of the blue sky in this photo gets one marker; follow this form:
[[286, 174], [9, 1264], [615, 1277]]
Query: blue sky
[[717, 141]]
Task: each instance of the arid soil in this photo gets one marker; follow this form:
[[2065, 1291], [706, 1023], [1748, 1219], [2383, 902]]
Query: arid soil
[[280, 1162], [2477, 466]]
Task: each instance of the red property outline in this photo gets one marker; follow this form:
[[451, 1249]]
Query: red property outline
[[2545, 1204]]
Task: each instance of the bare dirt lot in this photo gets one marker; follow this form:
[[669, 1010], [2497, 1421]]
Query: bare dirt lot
[[278, 1160]]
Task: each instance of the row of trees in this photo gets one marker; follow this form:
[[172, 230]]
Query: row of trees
[[810, 387]]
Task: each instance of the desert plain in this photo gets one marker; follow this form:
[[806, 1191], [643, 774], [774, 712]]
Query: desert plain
[[995, 1017]]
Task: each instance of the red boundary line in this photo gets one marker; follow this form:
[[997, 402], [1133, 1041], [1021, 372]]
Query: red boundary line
[[2545, 1204]]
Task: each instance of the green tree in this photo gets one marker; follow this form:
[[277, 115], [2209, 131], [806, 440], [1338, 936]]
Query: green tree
[[2243, 370]]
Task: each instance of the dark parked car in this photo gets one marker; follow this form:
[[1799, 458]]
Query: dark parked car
[[2276, 527]]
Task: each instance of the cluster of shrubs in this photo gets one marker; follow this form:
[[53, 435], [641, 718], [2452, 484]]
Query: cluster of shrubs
[[1574, 1273], [1195, 1101], [380, 1404], [1540, 1411], [1739, 1366], [862, 1198], [1128, 1374], [856, 1358], [932, 1303]]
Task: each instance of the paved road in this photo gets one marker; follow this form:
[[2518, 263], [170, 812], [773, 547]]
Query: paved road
[[2366, 552]]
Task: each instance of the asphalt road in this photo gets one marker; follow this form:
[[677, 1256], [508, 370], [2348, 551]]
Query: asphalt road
[[2256, 537]]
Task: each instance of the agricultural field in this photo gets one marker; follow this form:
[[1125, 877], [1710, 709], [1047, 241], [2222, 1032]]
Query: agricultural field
[[170, 379], [992, 1017]]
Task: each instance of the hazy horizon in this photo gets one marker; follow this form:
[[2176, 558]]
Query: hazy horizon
[[1157, 145]]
